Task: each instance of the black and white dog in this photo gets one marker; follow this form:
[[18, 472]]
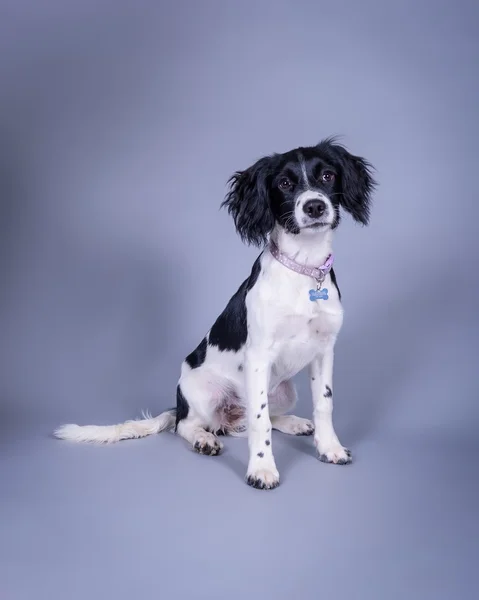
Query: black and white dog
[[285, 316]]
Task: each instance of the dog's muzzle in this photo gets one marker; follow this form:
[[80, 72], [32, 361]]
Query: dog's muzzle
[[315, 209]]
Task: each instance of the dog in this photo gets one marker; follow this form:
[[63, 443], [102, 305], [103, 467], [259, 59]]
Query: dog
[[284, 317]]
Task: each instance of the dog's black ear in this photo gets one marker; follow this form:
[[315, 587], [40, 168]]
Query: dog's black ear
[[248, 202], [357, 183]]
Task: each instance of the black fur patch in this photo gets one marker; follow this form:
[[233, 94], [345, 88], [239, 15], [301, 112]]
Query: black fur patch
[[261, 454], [267, 442], [182, 407], [197, 357], [248, 201], [328, 393], [334, 281], [230, 329]]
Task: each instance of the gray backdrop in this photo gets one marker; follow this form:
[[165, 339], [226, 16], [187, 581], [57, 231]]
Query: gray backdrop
[[120, 123]]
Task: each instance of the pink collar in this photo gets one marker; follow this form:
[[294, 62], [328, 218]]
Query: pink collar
[[318, 273]]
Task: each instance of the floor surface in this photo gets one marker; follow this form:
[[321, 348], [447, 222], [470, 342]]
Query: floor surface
[[149, 518]]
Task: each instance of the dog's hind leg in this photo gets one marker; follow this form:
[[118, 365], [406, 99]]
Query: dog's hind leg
[[195, 413], [281, 401]]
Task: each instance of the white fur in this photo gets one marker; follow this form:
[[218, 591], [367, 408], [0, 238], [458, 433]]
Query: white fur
[[304, 172], [108, 434], [287, 333]]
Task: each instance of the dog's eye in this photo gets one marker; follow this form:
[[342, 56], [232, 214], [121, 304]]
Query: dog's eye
[[328, 177], [285, 183]]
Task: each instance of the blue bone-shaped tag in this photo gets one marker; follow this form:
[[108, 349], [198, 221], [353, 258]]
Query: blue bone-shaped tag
[[318, 294]]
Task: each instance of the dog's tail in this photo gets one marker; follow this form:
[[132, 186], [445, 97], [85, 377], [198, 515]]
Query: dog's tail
[[108, 434]]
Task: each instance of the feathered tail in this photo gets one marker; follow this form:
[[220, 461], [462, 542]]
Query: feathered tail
[[108, 434]]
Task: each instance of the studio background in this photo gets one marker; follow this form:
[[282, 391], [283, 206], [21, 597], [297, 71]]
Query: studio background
[[120, 123]]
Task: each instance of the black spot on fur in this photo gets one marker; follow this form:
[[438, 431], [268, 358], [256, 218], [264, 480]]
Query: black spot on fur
[[262, 392], [313, 379], [258, 416], [267, 442], [182, 407], [240, 368], [229, 331], [260, 454], [328, 393], [197, 357], [263, 406]]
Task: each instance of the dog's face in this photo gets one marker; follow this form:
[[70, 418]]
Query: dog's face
[[304, 192], [301, 191]]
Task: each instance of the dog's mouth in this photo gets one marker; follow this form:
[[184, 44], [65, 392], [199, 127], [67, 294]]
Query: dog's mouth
[[316, 225]]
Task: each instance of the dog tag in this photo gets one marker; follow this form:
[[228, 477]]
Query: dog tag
[[318, 294]]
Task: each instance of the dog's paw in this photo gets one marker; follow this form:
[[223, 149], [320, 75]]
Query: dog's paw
[[302, 427], [293, 425], [207, 443], [263, 479], [335, 454]]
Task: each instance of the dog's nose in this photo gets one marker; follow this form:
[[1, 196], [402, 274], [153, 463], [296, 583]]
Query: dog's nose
[[314, 208]]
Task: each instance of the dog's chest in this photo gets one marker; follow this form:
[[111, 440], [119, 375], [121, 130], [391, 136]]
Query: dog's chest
[[299, 329], [284, 321], [299, 339]]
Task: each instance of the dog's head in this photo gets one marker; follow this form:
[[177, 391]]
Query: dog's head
[[301, 191]]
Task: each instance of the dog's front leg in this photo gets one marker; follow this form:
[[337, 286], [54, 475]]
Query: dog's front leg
[[262, 472], [327, 443]]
